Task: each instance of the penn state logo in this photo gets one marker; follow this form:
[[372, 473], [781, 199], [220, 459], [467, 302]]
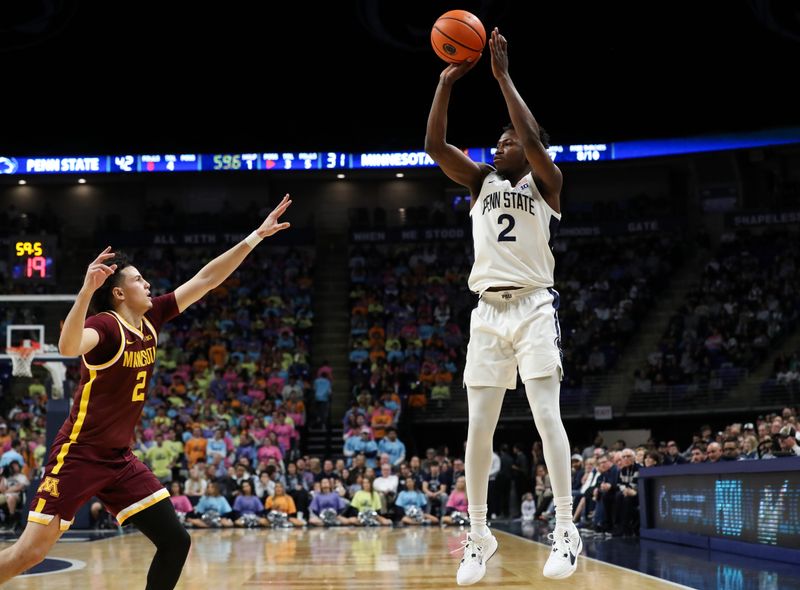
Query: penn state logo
[[506, 296], [10, 165], [449, 48]]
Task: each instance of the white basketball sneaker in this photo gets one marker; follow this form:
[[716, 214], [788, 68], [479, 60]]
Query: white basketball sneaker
[[563, 560], [477, 551]]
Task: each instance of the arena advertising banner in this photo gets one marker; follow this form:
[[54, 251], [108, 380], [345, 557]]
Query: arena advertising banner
[[178, 239], [757, 218]]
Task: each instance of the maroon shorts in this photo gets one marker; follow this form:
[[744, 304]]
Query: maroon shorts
[[74, 473]]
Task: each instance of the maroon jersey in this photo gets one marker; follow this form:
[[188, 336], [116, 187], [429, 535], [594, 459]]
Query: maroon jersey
[[114, 378]]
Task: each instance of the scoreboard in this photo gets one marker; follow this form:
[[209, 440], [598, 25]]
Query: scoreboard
[[299, 161], [32, 259]]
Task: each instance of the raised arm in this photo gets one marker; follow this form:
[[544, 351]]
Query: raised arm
[[219, 269], [453, 162], [75, 339], [546, 173]]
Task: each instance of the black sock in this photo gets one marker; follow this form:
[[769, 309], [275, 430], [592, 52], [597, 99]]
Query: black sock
[[160, 524]]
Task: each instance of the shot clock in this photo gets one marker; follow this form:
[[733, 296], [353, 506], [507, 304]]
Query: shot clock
[[33, 258]]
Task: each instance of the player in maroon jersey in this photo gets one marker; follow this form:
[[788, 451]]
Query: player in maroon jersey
[[91, 453]]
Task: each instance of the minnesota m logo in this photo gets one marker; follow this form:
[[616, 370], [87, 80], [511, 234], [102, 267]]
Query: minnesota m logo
[[49, 485]]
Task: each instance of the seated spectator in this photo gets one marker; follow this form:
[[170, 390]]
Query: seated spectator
[[411, 497], [585, 503], [652, 459], [282, 502], [195, 447], [296, 409], [626, 500], [12, 454], [298, 488], [160, 460], [363, 445], [247, 506], [698, 454], [749, 448], [386, 485], [392, 446], [673, 456], [788, 441], [13, 484], [264, 485], [269, 451], [604, 494], [381, 419], [713, 452], [457, 502], [367, 499], [215, 503], [730, 449], [197, 483], [326, 499], [180, 502], [241, 475], [527, 508], [217, 445], [766, 448], [434, 486]]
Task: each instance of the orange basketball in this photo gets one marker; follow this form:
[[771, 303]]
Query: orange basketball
[[458, 35]]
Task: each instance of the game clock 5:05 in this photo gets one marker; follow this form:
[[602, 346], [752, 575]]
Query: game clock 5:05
[[32, 258]]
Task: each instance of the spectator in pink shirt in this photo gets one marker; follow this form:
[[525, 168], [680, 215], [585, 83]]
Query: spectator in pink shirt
[[268, 450], [457, 502], [180, 502], [285, 432]]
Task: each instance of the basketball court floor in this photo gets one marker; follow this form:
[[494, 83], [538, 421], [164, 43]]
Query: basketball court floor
[[379, 558]]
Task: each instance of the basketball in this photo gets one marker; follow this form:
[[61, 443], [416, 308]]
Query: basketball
[[458, 35]]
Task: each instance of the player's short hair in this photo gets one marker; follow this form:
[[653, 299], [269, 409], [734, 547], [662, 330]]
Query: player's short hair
[[544, 136], [102, 299]]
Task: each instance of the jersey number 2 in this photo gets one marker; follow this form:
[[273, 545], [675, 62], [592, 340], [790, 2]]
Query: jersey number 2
[[138, 391], [504, 237]]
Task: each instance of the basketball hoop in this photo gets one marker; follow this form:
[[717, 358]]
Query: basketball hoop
[[22, 358]]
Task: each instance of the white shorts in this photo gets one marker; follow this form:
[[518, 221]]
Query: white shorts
[[510, 329]]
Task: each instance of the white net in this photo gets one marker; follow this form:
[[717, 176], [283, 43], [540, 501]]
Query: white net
[[21, 359]]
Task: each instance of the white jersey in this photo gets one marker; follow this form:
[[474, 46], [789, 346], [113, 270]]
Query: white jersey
[[512, 227]]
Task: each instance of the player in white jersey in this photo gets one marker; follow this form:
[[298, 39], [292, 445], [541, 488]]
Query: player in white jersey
[[515, 211]]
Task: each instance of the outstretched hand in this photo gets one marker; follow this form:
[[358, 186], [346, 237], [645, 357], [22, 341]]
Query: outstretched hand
[[271, 225], [498, 46], [98, 272], [455, 71]]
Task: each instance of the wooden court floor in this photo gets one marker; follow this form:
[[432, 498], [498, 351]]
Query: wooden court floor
[[325, 559]]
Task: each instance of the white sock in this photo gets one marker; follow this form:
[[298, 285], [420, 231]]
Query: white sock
[[477, 519], [484, 410], [563, 511]]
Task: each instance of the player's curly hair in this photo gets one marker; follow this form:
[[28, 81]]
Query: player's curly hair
[[544, 136], [102, 299]]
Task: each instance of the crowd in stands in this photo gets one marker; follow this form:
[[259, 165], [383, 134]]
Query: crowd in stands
[[237, 476], [747, 300], [409, 310], [785, 379], [603, 310]]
